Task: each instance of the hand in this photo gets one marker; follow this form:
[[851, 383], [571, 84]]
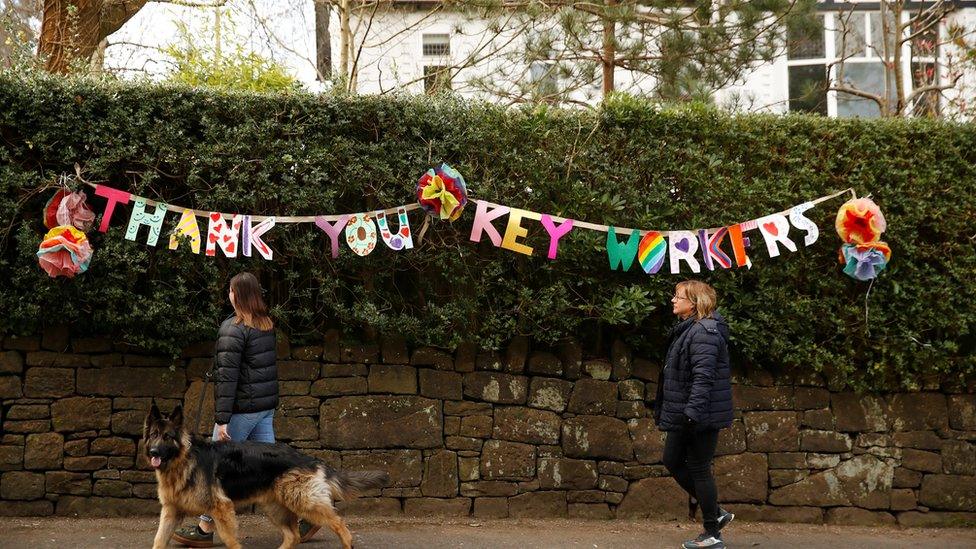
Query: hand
[[222, 433]]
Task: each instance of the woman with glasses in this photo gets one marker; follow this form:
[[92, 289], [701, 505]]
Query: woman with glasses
[[694, 401]]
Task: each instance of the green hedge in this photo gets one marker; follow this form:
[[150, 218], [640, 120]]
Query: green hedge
[[630, 164]]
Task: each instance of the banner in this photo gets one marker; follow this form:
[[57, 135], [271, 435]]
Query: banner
[[652, 250]]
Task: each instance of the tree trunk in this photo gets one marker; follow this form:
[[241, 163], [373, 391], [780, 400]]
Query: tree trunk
[[345, 38], [609, 53], [71, 30], [323, 40]]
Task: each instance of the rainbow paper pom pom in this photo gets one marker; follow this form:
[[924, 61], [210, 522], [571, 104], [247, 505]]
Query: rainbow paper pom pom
[[65, 251], [442, 192], [860, 221], [864, 261]]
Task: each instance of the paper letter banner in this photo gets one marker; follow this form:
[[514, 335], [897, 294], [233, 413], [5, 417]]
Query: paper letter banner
[[333, 230], [139, 217], [775, 228], [739, 245], [252, 237], [555, 232], [682, 246], [187, 228], [402, 239], [515, 230], [804, 224], [483, 219], [651, 252], [114, 197], [222, 235], [621, 254], [361, 234], [712, 248]]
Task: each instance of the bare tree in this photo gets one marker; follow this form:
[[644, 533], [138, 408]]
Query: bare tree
[[912, 84], [18, 31], [323, 40]]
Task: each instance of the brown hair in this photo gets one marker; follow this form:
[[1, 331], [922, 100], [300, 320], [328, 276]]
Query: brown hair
[[701, 295], [248, 304]]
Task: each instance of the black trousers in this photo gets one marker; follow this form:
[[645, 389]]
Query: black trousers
[[688, 456]]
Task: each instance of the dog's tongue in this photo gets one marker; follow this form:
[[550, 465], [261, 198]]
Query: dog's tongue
[[156, 462]]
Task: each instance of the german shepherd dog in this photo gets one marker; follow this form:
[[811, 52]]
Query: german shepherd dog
[[198, 476]]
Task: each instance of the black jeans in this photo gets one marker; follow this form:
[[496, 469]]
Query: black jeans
[[688, 455]]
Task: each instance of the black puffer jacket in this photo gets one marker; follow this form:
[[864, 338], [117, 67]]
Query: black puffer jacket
[[695, 381], [247, 374]]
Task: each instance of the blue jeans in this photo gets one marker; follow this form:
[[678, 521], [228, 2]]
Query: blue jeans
[[256, 426]]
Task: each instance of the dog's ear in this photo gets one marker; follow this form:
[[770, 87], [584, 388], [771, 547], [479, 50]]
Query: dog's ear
[[176, 416], [152, 417]]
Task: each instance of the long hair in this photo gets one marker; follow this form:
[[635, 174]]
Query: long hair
[[701, 295], [248, 304]]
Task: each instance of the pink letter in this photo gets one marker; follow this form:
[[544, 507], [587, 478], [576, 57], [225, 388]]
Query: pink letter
[[555, 233], [114, 196], [332, 230], [482, 222]]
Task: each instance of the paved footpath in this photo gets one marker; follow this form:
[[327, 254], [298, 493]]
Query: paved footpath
[[256, 532]]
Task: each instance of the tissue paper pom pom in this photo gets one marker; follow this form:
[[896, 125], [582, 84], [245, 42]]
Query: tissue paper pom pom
[[65, 251], [442, 192], [864, 261], [75, 212], [51, 208], [860, 221]]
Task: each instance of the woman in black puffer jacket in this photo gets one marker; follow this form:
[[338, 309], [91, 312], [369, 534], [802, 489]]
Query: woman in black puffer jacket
[[694, 401]]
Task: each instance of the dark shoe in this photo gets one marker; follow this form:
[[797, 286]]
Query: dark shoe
[[705, 540], [306, 530], [724, 518], [193, 536]]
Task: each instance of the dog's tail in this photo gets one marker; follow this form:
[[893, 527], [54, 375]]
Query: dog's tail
[[354, 483]]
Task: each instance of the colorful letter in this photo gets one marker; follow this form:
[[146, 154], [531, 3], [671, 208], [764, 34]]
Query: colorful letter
[[139, 217], [333, 230]]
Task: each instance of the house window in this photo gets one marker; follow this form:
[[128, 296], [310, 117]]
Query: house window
[[849, 48], [437, 45], [437, 78], [544, 79]]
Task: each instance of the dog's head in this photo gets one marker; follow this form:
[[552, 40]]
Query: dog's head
[[164, 438]]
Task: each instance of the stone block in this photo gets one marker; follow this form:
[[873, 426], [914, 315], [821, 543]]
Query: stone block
[[570, 353], [825, 441], [11, 458], [645, 369], [782, 477], [359, 353], [749, 398], [915, 519], [597, 437], [822, 461], [772, 513], [502, 460], [544, 364], [371, 507], [298, 370], [903, 499], [440, 475], [528, 425], [29, 411], [469, 469], [428, 356], [611, 483], [598, 369], [393, 350], [442, 385], [339, 386], [567, 474], [644, 500], [343, 370], [810, 398], [906, 478], [10, 387], [549, 394], [452, 425], [631, 389], [21, 485], [962, 412], [388, 378], [57, 360], [113, 446], [648, 441], [732, 440], [83, 413], [44, 451], [115, 359], [465, 408], [37, 508], [490, 508], [538, 505], [128, 422], [56, 338], [516, 355], [920, 460], [496, 387], [959, 457], [771, 432], [492, 488], [425, 507], [11, 362], [27, 426], [863, 481], [476, 426], [295, 428], [297, 406], [859, 413], [741, 477], [73, 506], [465, 357], [489, 362], [852, 516], [948, 492], [405, 467], [129, 381], [381, 422], [112, 488], [22, 343], [592, 396], [87, 463], [918, 411], [921, 440], [76, 448], [463, 443], [64, 482], [822, 419], [49, 382]]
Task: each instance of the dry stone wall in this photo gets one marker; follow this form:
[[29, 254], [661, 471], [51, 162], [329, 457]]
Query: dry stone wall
[[519, 433]]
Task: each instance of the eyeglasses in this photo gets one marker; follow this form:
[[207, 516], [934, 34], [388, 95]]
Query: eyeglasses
[[679, 297]]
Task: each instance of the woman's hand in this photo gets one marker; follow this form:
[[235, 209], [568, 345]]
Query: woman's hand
[[222, 433]]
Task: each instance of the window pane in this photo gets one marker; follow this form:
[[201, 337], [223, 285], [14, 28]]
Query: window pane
[[437, 78], [808, 88], [924, 74], [877, 32], [926, 44], [805, 39], [437, 45], [868, 77], [849, 34]]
